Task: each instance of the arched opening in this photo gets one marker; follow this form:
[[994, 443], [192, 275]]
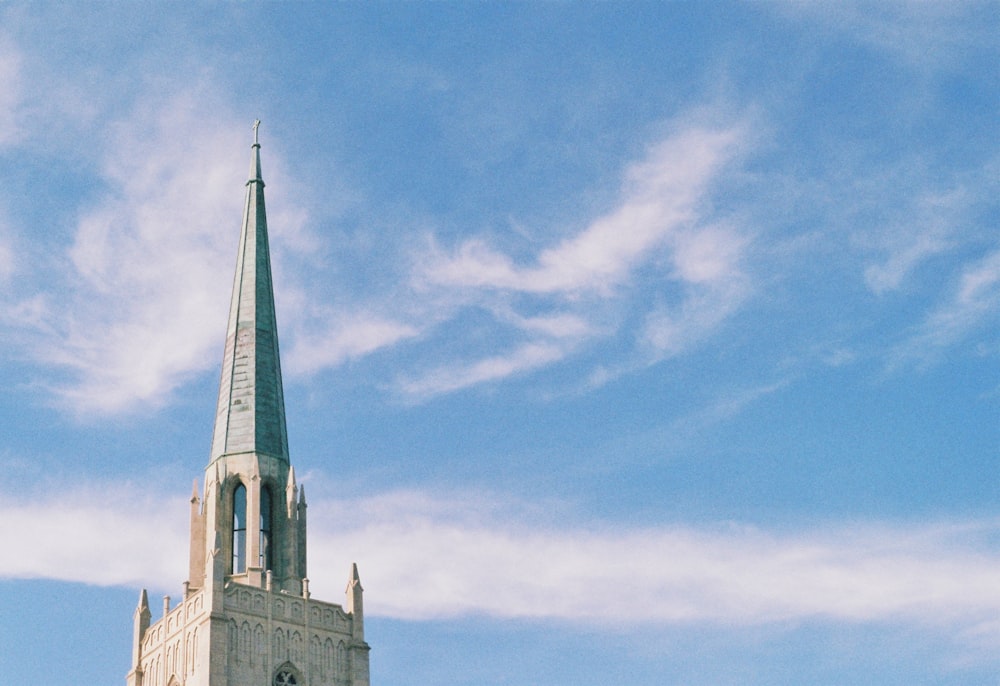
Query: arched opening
[[264, 560], [239, 530]]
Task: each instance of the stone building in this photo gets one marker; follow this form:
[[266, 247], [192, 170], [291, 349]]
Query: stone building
[[246, 617]]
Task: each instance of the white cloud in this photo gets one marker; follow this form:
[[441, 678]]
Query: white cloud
[[90, 538], [479, 557], [925, 34], [728, 404], [975, 299], [563, 325], [453, 377], [672, 330], [136, 306], [11, 91], [11, 96], [714, 288], [149, 295], [660, 196], [927, 231], [422, 556], [579, 289], [7, 261], [138, 302], [344, 337], [888, 275]]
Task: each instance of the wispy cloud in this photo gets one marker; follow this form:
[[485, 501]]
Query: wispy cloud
[[729, 404], [928, 229], [135, 305], [661, 195], [133, 308], [974, 301], [11, 83], [912, 228], [146, 296], [423, 556], [671, 329], [7, 262], [337, 338], [11, 80], [926, 34], [553, 302], [456, 376]]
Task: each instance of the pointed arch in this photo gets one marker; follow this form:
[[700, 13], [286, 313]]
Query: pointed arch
[[259, 653], [193, 653], [265, 556], [341, 660], [315, 654], [239, 533], [234, 639], [328, 659], [245, 643], [279, 647], [295, 647]]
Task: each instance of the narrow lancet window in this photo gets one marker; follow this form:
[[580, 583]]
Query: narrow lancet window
[[265, 528], [240, 530]]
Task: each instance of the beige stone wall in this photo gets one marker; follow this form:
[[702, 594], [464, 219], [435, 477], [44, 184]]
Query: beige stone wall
[[173, 648], [262, 632], [267, 631]]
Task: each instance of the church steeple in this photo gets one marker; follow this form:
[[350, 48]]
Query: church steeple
[[262, 536], [247, 616], [250, 415]]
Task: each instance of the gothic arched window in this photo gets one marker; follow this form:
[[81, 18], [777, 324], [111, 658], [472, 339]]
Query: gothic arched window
[[341, 660], [265, 528], [240, 529], [328, 652], [278, 645], [193, 651]]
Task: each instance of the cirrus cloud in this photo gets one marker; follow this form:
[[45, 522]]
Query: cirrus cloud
[[661, 237]]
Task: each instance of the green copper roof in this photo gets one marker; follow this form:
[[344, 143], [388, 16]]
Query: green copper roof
[[251, 411]]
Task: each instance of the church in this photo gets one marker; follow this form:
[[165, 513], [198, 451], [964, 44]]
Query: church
[[246, 617]]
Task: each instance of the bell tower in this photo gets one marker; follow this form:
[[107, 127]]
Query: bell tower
[[246, 617], [251, 497]]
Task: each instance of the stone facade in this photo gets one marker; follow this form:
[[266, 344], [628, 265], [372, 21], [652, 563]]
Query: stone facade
[[246, 617], [258, 635]]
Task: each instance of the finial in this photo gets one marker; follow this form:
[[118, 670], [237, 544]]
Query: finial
[[256, 125]]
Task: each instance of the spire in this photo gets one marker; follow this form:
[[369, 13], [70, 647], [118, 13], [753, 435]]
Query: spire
[[250, 415]]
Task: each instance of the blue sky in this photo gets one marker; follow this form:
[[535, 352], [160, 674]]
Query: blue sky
[[652, 343]]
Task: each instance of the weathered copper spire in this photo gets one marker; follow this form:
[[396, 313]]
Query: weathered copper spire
[[250, 416]]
